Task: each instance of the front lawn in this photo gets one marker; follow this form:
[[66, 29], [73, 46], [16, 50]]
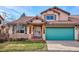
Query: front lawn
[[23, 46]]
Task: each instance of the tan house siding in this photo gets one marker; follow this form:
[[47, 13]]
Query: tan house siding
[[63, 16], [18, 35]]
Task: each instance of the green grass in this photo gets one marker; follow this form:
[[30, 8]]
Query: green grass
[[23, 46]]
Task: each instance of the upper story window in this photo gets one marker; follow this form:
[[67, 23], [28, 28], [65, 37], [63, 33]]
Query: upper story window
[[50, 17]]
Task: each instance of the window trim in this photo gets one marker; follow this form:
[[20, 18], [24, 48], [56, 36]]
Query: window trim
[[50, 19]]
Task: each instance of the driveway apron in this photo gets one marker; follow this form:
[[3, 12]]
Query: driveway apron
[[63, 45]]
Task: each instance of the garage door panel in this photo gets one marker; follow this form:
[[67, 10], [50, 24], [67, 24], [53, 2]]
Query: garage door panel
[[60, 33]]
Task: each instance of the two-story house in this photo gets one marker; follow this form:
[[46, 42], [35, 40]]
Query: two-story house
[[53, 24]]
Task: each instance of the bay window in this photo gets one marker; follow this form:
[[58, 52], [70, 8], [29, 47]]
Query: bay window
[[19, 29]]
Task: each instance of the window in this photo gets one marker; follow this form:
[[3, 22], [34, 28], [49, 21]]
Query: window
[[19, 29], [51, 17], [0, 21], [0, 31]]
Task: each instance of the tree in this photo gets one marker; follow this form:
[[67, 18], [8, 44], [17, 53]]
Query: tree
[[23, 15]]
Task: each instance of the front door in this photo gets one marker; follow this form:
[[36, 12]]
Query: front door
[[37, 32]]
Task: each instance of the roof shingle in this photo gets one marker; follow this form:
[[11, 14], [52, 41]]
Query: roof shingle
[[22, 20], [53, 9]]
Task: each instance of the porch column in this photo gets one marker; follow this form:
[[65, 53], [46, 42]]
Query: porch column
[[10, 31], [76, 33], [27, 29], [28, 36], [30, 31], [43, 31]]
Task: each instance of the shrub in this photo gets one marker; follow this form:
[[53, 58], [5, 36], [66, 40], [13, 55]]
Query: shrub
[[3, 40], [17, 39], [3, 37]]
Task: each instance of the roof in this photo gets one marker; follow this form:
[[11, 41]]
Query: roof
[[53, 9], [22, 20], [25, 20], [74, 18], [61, 22], [28, 19]]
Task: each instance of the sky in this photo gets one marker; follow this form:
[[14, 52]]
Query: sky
[[14, 12]]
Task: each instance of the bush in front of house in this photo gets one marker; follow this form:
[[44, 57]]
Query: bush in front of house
[[21, 39], [27, 40], [3, 37], [18, 39], [2, 40]]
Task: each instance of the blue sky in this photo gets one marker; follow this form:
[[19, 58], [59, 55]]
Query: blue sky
[[14, 12]]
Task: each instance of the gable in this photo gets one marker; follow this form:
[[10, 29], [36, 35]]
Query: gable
[[60, 14], [36, 19], [56, 9]]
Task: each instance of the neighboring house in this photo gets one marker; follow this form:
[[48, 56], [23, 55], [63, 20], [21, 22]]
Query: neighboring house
[[53, 24], [3, 29], [1, 24]]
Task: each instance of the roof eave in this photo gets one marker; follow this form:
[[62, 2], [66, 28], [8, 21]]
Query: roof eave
[[55, 8]]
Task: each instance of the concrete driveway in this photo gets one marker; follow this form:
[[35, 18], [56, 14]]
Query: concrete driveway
[[63, 46]]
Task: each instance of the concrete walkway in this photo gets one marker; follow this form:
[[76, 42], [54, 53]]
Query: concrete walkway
[[63, 45]]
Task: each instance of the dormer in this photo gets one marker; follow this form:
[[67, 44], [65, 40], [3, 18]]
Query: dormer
[[55, 13]]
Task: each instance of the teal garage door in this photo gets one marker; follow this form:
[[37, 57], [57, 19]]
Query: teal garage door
[[59, 33]]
